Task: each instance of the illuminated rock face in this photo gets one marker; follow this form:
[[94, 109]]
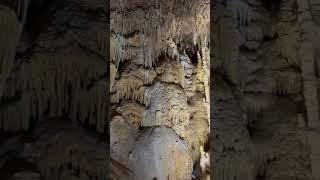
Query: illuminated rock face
[[265, 90], [161, 154], [160, 91], [53, 89]]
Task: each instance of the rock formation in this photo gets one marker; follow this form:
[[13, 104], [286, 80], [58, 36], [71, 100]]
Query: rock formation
[[159, 88], [264, 89], [53, 89]]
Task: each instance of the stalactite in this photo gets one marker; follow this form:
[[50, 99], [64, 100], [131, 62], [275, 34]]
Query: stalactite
[[281, 87], [130, 88], [9, 36], [153, 36], [16, 112], [102, 43], [255, 106], [147, 79], [60, 80], [156, 32], [147, 53], [116, 49], [93, 105], [113, 73], [22, 10], [240, 11]]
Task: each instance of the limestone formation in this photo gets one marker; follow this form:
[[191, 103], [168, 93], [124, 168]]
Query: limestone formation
[[160, 88], [53, 89], [266, 108]]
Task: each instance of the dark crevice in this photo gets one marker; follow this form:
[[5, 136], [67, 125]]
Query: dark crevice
[[38, 16], [272, 5]]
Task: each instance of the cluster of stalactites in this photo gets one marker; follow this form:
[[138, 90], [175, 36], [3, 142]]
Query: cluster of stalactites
[[146, 54], [117, 44], [68, 85], [129, 88], [158, 29], [17, 108], [243, 13], [130, 84]]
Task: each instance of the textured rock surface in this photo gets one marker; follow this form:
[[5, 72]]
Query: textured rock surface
[[160, 88], [265, 90], [53, 89]]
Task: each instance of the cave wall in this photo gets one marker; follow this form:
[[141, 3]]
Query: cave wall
[[265, 89], [53, 89]]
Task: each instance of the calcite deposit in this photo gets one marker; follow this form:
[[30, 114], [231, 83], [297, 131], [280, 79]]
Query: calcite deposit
[[160, 89]]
